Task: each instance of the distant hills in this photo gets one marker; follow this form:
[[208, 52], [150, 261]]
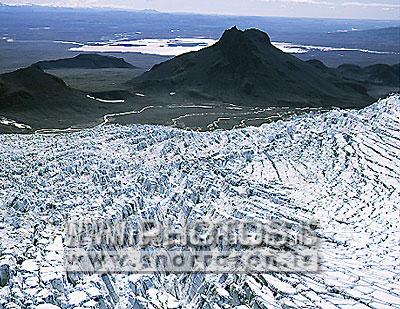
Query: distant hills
[[85, 61], [379, 74], [378, 79], [243, 67]]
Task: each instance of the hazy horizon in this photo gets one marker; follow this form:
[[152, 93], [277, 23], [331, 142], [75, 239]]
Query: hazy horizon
[[348, 9]]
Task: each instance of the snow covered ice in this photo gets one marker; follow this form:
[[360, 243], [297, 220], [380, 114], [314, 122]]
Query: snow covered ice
[[341, 168]]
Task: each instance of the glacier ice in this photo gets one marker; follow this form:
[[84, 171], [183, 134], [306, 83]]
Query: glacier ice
[[341, 168]]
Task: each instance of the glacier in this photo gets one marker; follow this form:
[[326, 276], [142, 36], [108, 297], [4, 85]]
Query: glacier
[[341, 168]]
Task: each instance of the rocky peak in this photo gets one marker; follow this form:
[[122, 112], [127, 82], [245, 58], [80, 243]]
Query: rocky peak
[[236, 37]]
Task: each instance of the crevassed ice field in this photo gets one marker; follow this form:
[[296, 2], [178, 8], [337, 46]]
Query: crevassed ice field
[[340, 167]]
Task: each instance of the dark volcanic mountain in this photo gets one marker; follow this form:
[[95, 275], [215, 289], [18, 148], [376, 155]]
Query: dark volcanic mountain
[[42, 100], [243, 67], [31, 85], [86, 61]]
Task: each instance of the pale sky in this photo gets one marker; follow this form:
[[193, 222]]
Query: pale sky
[[371, 9]]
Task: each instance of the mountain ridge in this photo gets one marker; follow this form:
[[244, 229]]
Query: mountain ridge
[[85, 61]]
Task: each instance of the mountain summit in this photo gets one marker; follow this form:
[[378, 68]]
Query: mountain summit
[[240, 40], [243, 67]]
